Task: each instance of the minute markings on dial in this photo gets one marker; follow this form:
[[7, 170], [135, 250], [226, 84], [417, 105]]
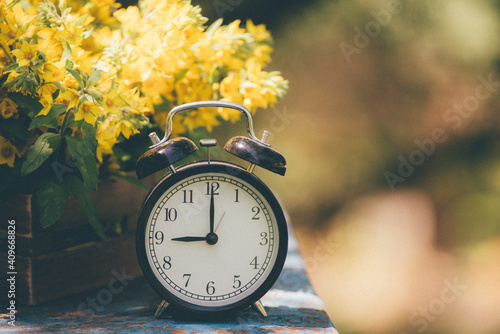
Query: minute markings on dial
[[204, 290]]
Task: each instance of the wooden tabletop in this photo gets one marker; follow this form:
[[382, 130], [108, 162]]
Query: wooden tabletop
[[128, 306]]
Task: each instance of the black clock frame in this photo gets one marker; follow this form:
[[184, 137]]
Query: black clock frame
[[189, 170]]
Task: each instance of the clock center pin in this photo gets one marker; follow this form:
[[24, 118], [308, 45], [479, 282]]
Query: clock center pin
[[212, 238]]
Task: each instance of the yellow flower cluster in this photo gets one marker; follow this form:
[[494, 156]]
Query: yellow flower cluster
[[51, 57], [164, 49], [118, 70]]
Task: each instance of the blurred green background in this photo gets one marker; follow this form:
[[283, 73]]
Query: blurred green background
[[391, 134]]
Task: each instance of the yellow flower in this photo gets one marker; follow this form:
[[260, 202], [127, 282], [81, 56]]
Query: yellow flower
[[9, 33], [160, 118], [166, 51], [26, 53], [230, 87], [259, 32], [50, 44], [7, 152], [3, 11], [88, 111], [206, 117], [53, 71], [135, 103], [99, 9], [125, 128], [72, 33], [69, 97], [18, 17], [7, 108], [112, 102], [105, 37], [47, 101], [45, 92], [83, 58], [106, 139]]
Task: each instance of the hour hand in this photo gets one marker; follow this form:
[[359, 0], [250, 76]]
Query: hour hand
[[190, 239]]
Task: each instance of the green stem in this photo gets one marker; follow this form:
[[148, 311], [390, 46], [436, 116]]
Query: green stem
[[8, 54], [65, 122], [63, 129]]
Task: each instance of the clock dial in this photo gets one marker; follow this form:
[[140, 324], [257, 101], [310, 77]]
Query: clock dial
[[212, 239]]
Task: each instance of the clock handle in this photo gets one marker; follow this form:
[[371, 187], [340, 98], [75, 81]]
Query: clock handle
[[211, 104], [252, 149], [165, 152]]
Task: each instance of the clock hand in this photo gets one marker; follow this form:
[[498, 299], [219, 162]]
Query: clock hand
[[211, 239], [212, 212], [220, 221], [189, 239]]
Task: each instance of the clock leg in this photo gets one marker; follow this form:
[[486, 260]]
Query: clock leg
[[161, 308], [257, 306]]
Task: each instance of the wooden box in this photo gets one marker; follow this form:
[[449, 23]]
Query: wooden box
[[65, 258]]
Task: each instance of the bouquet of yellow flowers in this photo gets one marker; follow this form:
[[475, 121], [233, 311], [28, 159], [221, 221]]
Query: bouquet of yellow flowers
[[79, 80]]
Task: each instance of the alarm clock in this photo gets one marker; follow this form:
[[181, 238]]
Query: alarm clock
[[211, 236]]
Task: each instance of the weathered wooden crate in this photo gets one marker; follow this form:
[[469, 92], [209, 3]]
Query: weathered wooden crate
[[65, 258]]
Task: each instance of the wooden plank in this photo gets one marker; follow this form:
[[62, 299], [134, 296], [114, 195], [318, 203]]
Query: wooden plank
[[19, 207], [50, 276]]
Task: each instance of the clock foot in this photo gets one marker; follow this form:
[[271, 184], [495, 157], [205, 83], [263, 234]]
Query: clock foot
[[257, 306], [161, 309]]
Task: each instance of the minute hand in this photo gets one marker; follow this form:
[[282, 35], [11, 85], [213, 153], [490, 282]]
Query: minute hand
[[190, 239], [212, 212]]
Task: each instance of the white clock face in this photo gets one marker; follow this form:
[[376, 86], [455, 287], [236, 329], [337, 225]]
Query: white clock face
[[211, 239]]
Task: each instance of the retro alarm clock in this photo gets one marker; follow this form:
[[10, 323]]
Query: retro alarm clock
[[211, 236]]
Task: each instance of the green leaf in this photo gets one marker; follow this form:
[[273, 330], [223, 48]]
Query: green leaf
[[76, 76], [213, 76], [88, 207], [84, 76], [44, 146], [95, 94], [79, 22], [67, 53], [84, 159], [45, 120], [89, 131], [213, 27], [12, 4], [29, 106], [69, 64], [50, 196], [57, 84], [87, 33], [94, 78], [11, 67], [16, 128], [181, 73]]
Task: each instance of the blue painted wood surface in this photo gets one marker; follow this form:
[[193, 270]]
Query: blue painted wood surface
[[127, 305]]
